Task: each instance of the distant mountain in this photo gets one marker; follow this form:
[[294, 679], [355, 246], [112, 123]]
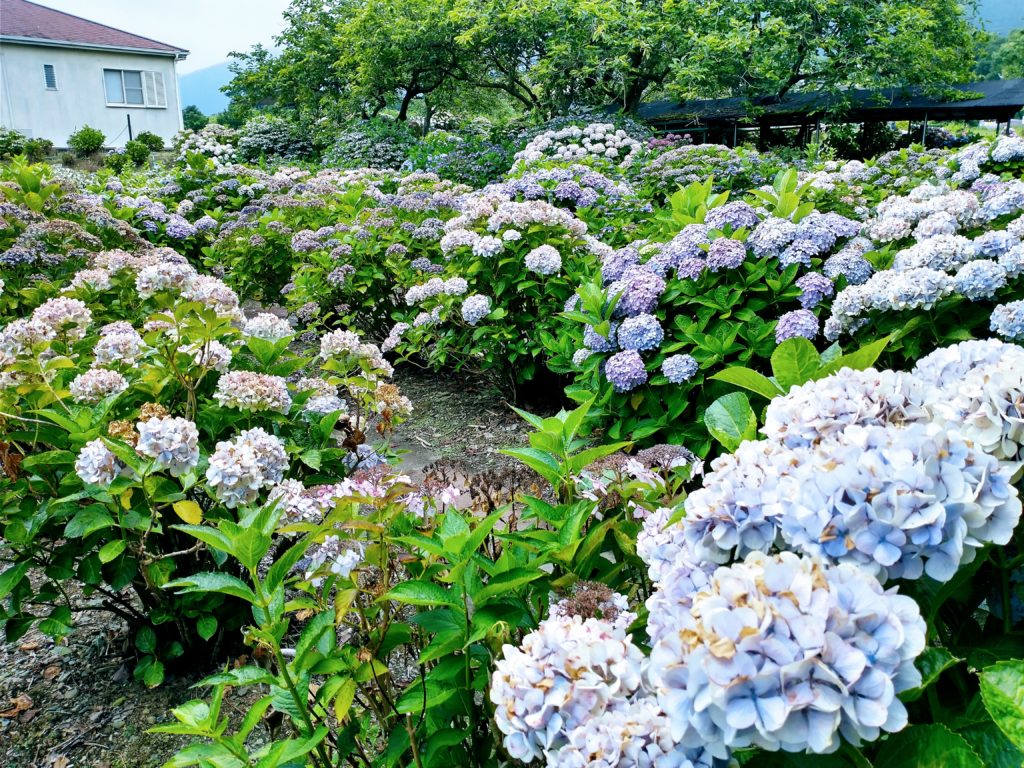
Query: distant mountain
[[1000, 16], [202, 88]]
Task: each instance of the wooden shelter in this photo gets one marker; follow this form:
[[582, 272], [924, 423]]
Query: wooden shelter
[[723, 120]]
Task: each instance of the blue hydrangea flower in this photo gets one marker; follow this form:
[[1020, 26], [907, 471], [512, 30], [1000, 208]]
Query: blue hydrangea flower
[[679, 368], [799, 322], [641, 289], [994, 243], [615, 263], [725, 253], [625, 370], [979, 279], [1008, 320], [640, 332], [799, 252], [598, 343], [734, 214], [814, 288], [475, 308], [544, 260]]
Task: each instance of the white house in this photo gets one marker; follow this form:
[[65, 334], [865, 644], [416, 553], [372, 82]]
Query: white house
[[59, 72]]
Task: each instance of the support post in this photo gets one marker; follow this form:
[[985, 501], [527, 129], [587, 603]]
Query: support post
[[924, 130], [130, 136]]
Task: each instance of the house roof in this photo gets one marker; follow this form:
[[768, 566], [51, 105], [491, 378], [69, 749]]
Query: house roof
[[23, 21], [990, 99]]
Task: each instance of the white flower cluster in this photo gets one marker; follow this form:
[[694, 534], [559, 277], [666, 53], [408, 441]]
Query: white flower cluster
[[267, 326], [171, 441], [96, 384], [124, 346], [240, 468], [435, 286], [214, 141], [96, 464], [573, 144], [249, 391], [62, 315], [210, 354], [332, 556]]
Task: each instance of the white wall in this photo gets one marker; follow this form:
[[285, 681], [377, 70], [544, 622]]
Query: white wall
[[26, 105]]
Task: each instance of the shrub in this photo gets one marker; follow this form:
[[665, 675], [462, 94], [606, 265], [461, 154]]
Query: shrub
[[471, 160], [11, 143], [37, 150], [151, 140], [86, 141], [266, 136], [137, 151], [370, 144], [193, 119], [117, 159], [154, 398]]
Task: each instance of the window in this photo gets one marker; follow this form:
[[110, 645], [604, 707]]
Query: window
[[132, 88], [50, 77]]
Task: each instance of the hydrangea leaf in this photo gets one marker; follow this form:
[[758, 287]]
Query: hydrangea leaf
[[932, 663], [992, 745], [1002, 690], [730, 420], [188, 511], [928, 746], [750, 380], [795, 361]]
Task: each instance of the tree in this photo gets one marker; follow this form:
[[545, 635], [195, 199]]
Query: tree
[[193, 118], [1009, 56], [762, 49]]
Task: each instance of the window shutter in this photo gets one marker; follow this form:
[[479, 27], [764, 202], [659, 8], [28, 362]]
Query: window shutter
[[50, 76], [156, 93]]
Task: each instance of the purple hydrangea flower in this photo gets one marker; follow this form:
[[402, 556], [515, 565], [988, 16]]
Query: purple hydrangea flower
[[641, 332], [598, 343], [679, 368], [799, 322], [640, 292], [855, 268], [725, 253], [625, 370], [735, 214], [814, 288]]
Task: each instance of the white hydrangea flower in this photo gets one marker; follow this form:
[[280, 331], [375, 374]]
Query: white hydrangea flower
[[121, 346], [240, 468], [249, 391], [64, 316], [210, 354], [96, 464], [268, 326], [173, 442], [96, 384]]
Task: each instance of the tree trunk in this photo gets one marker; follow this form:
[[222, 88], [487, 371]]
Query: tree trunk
[[410, 94], [428, 115]]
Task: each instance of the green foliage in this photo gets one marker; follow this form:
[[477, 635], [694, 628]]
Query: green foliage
[[11, 143], [86, 141], [151, 140], [138, 151], [193, 118]]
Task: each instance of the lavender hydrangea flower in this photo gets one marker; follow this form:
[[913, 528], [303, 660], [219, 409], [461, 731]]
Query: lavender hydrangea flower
[[625, 370], [799, 322], [814, 288], [598, 343], [1008, 320], [171, 441], [734, 214], [641, 289], [640, 332], [854, 267], [544, 260], [96, 464], [241, 467], [679, 368], [475, 308], [725, 253]]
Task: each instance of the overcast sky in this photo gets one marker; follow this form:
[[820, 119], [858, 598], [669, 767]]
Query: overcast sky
[[209, 29]]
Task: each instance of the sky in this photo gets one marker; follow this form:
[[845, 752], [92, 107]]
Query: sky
[[209, 29]]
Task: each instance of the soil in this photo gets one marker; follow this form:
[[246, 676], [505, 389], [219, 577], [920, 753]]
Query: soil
[[74, 704]]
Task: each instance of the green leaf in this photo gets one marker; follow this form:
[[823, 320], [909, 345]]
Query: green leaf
[[206, 627], [145, 640], [506, 582], [730, 420], [9, 579], [111, 550], [154, 674], [927, 746], [212, 582], [932, 663], [92, 518], [750, 380], [1002, 690], [795, 361], [863, 358], [419, 593]]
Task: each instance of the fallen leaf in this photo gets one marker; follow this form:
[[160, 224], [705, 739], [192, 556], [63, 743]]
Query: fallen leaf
[[18, 705], [29, 646], [61, 762], [51, 672], [28, 715]]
